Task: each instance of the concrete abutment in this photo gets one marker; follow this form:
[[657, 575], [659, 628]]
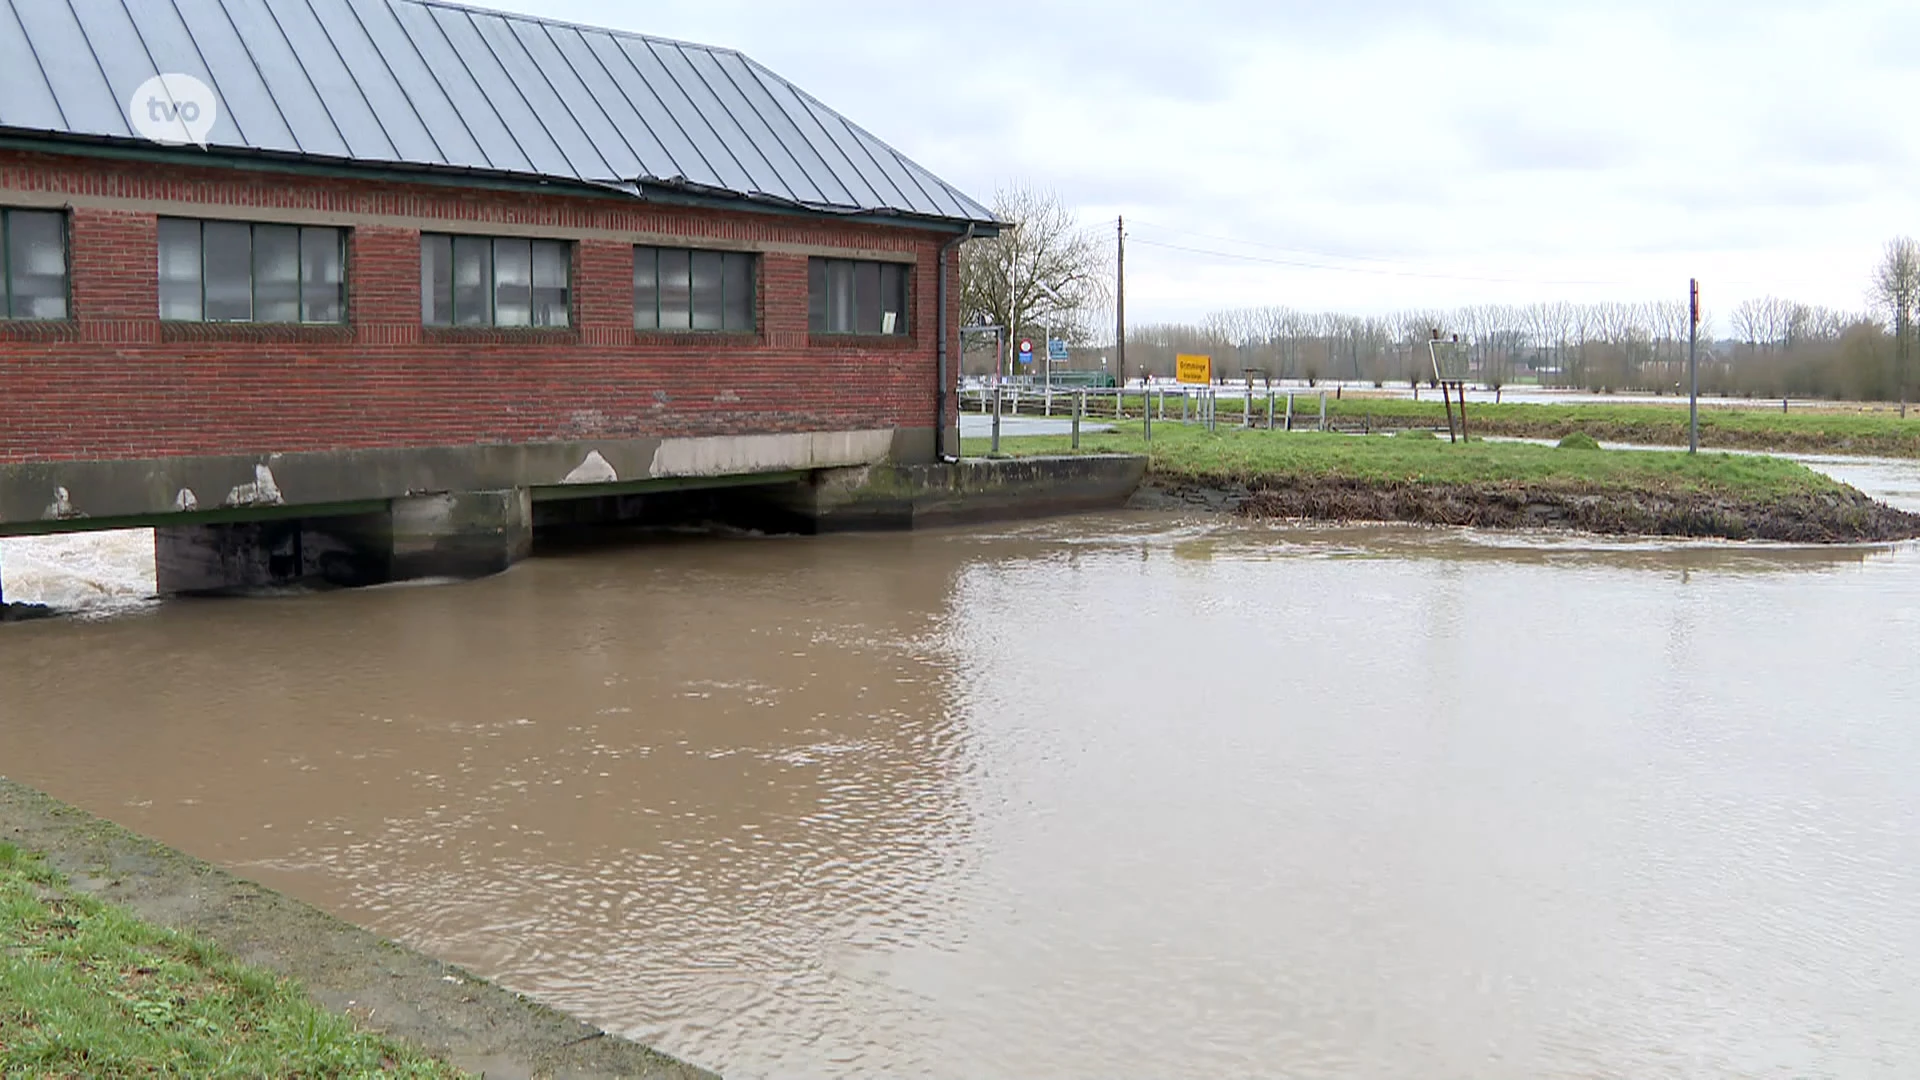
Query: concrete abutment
[[448, 535]]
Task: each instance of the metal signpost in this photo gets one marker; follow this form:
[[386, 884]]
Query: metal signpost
[[1450, 371], [1056, 353], [1196, 370]]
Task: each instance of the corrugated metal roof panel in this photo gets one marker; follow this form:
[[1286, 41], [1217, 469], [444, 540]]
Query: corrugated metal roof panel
[[29, 101], [434, 84]]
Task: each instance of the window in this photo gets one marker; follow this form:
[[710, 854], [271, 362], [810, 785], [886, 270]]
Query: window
[[231, 271], [678, 289], [847, 296], [495, 281], [33, 264]]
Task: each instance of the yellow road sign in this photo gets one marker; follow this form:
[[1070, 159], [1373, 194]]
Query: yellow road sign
[[1193, 370]]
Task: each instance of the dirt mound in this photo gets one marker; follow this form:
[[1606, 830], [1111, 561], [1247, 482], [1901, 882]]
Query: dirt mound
[[1828, 518]]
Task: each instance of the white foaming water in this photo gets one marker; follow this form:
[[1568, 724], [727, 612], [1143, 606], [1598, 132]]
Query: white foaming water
[[91, 571]]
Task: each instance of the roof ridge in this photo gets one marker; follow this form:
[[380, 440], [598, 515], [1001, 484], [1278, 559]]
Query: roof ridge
[[516, 16]]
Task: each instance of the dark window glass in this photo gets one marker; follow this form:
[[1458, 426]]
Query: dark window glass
[[180, 290], [227, 259], [706, 290], [737, 289], [436, 280], [646, 288], [847, 296], [229, 271], [512, 283], [35, 284], [819, 309], [676, 289], [866, 298], [472, 281], [684, 289], [840, 295], [551, 296], [489, 281], [323, 276], [893, 298], [276, 274]]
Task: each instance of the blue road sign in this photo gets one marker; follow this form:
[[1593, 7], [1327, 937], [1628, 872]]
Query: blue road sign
[[1056, 349]]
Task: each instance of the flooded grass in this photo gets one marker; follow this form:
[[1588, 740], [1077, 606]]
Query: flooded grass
[[1802, 429], [88, 990], [1498, 485], [1233, 455]]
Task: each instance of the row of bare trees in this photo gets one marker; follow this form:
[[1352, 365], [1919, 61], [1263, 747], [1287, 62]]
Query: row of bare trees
[[1047, 271], [1780, 348], [1592, 346]]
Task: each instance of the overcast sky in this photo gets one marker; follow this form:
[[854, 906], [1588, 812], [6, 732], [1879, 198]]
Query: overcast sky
[[1568, 149]]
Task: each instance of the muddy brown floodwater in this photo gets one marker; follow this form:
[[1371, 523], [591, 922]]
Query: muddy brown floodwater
[[1121, 796]]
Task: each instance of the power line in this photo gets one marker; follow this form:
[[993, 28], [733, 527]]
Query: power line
[[1736, 282], [1369, 270], [1270, 247]]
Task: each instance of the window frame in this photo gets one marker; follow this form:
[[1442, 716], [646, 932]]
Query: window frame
[[726, 256], [300, 284], [491, 270], [838, 269], [6, 263]]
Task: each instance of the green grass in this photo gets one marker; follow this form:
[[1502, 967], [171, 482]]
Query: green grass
[[88, 990], [1801, 430], [1233, 455]]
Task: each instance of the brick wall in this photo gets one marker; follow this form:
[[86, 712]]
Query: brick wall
[[114, 382]]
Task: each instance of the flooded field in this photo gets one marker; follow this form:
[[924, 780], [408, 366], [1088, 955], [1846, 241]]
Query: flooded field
[[1117, 796]]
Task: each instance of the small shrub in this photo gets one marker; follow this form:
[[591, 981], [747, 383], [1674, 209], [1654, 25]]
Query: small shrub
[[1579, 440]]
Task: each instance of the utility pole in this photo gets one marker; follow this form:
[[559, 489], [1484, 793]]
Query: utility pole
[[1693, 366], [1120, 325]]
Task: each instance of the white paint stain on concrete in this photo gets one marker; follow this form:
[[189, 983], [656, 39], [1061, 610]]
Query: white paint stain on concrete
[[724, 455], [61, 508], [186, 501], [594, 470], [262, 492]]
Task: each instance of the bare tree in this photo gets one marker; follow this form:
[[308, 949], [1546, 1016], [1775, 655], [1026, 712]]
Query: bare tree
[[1043, 268], [1896, 291]]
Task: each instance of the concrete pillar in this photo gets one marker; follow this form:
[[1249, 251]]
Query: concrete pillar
[[458, 535], [220, 558], [462, 535]]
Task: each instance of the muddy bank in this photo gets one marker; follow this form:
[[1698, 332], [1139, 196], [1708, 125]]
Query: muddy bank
[[388, 988], [1831, 518], [24, 612]]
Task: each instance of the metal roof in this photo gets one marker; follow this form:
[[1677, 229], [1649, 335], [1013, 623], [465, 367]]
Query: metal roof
[[421, 83]]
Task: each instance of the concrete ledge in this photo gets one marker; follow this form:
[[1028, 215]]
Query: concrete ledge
[[971, 490], [404, 994], [73, 496]]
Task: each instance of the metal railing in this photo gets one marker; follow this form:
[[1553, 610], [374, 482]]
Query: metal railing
[[1196, 404]]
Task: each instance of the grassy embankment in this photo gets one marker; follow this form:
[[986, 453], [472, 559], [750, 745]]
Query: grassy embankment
[[88, 990], [1190, 454], [1499, 485], [1802, 430]]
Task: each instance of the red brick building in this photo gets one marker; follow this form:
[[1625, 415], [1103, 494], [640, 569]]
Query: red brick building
[[428, 251]]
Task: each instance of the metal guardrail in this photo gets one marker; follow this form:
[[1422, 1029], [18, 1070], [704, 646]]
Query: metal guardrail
[[1197, 404]]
